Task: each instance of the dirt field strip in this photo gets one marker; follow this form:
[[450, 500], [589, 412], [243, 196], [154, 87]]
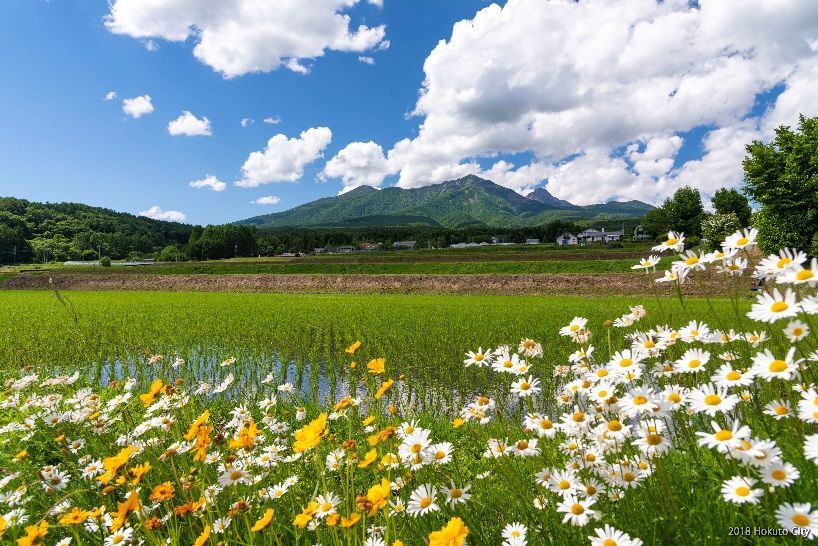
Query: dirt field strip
[[611, 283]]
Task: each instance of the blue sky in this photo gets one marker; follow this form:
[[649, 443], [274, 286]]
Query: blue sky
[[507, 95], [62, 142]]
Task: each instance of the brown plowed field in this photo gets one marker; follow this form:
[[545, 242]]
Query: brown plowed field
[[601, 284]]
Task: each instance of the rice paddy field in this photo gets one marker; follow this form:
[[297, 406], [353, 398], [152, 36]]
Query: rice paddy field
[[207, 418]]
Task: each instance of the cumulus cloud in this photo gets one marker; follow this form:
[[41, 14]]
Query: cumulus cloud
[[137, 107], [189, 125], [284, 159], [267, 200], [237, 37], [157, 213], [110, 95], [246, 122], [366, 60], [210, 182], [272, 120], [358, 164], [602, 100]]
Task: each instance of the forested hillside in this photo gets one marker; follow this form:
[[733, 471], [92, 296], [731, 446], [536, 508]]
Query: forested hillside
[[72, 231]]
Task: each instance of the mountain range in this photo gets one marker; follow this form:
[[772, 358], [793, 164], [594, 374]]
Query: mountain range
[[466, 202]]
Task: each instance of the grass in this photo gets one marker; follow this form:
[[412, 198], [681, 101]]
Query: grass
[[301, 339]]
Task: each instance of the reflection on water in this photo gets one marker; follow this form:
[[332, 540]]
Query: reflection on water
[[317, 381]]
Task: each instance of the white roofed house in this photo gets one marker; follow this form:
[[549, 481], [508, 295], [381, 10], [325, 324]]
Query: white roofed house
[[566, 239], [404, 244], [595, 236]]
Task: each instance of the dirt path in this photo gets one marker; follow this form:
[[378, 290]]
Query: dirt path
[[601, 284]]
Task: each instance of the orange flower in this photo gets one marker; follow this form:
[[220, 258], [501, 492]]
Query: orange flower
[[263, 521], [346, 523], [246, 437], [162, 492]]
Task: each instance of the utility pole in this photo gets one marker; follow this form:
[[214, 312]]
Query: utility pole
[[236, 251]]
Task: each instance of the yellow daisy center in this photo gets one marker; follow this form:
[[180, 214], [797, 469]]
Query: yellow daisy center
[[712, 400]]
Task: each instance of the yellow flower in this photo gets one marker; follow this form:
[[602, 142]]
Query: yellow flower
[[369, 420], [310, 435], [453, 534], [246, 437], [384, 387], [344, 402], [458, 422], [332, 520], [131, 504], [59, 438], [22, 455], [397, 543], [112, 464], [376, 366], [203, 537], [138, 471], [3, 525], [346, 523], [74, 517], [369, 458], [302, 519], [378, 495], [264, 521], [34, 534], [162, 492], [353, 365], [352, 348], [149, 397], [194, 427]]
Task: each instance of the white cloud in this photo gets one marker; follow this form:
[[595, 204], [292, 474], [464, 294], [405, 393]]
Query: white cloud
[[366, 60], [189, 125], [267, 200], [137, 107], [237, 37], [151, 45], [110, 95], [157, 213], [284, 159], [358, 164], [594, 78], [246, 122], [209, 181], [272, 120]]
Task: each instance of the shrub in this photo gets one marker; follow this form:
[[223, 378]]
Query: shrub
[[105, 261], [716, 227]]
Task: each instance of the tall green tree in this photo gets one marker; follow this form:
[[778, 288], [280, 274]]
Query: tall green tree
[[685, 211], [782, 177], [729, 200]]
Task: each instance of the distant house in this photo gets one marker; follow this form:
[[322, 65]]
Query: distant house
[[596, 236], [319, 250], [404, 244], [566, 239], [639, 234], [532, 241], [369, 246], [287, 255], [346, 249]]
